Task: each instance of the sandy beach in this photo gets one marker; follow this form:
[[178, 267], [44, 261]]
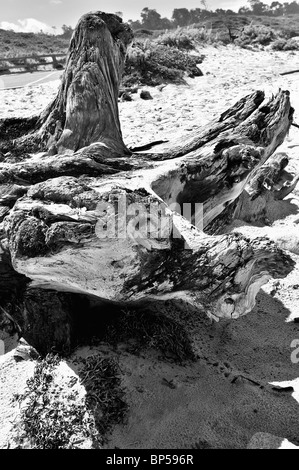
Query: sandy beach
[[226, 397]]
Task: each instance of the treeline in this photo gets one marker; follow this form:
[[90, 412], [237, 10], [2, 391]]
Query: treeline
[[151, 19]]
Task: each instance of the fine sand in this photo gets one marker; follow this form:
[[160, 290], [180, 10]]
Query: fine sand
[[231, 392]]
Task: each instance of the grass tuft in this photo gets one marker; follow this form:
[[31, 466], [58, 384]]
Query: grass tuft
[[145, 330], [104, 394]]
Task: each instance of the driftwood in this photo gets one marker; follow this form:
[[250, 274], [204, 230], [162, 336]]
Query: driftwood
[[289, 72], [86, 218], [271, 182]]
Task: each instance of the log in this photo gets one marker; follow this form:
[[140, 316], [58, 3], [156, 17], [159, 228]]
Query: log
[[89, 217], [289, 72]]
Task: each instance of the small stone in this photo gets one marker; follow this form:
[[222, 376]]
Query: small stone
[[126, 97], [145, 95]]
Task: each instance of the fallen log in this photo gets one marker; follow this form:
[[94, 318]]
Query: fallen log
[[88, 216], [289, 72]]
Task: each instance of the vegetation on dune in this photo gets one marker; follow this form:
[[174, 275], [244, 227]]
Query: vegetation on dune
[[187, 38], [14, 44], [285, 45], [46, 422], [255, 34], [161, 52], [53, 416], [151, 63], [203, 24]]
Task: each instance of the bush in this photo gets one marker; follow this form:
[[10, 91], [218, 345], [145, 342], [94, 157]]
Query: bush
[[255, 35], [179, 38], [46, 422], [51, 416], [188, 38], [4, 67], [285, 45], [149, 63]]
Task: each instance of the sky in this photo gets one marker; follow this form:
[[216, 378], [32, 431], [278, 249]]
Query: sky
[[34, 15]]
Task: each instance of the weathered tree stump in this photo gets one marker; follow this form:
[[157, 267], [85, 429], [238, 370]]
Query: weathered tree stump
[[89, 217], [85, 109]]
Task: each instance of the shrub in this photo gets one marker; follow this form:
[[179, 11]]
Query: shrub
[[30, 65], [4, 67], [179, 38], [188, 38], [255, 35], [52, 415], [149, 63], [279, 44], [285, 45], [46, 421], [205, 35]]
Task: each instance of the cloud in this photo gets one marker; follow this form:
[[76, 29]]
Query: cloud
[[28, 25], [55, 2]]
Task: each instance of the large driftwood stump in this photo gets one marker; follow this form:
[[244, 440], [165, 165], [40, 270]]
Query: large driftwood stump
[[85, 109], [89, 218]]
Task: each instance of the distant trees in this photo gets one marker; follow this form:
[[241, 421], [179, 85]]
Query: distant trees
[[276, 8], [292, 7], [185, 17], [181, 16], [198, 14], [257, 7], [67, 31], [151, 19]]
